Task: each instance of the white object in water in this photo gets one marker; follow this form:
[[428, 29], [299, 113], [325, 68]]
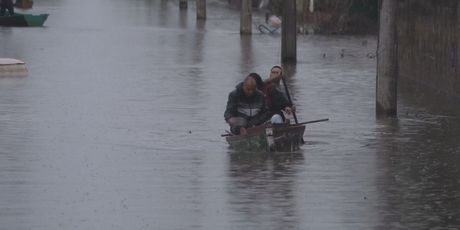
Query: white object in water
[[12, 67], [274, 21]]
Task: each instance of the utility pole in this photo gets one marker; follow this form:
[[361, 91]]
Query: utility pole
[[246, 17], [201, 9], [289, 32], [387, 61]]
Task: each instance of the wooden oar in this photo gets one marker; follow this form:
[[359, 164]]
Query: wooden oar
[[228, 133], [289, 98], [290, 101], [314, 121]]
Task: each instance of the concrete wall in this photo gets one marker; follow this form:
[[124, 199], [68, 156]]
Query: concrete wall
[[429, 43]]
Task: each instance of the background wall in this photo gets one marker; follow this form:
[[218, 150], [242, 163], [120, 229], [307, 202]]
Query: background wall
[[429, 42]]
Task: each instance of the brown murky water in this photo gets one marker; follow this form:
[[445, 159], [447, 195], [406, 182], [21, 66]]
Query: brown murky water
[[118, 126]]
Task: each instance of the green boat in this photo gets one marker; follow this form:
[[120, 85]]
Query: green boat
[[269, 138], [23, 20]]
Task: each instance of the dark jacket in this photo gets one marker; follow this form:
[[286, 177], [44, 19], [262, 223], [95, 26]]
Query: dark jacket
[[276, 100], [253, 108]]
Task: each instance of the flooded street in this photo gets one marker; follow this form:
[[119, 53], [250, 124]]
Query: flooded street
[[118, 124]]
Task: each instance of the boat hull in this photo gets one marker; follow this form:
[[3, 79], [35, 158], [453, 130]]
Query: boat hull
[[23, 20], [270, 138]]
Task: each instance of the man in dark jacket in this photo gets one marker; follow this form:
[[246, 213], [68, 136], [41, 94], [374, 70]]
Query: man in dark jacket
[[245, 107], [277, 101], [6, 5]]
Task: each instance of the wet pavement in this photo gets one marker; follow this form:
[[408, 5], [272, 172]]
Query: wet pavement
[[117, 126]]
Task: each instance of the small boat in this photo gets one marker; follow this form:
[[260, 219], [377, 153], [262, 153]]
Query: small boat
[[10, 67], [269, 138], [23, 20]]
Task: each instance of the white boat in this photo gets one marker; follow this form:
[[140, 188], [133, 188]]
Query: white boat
[[12, 67]]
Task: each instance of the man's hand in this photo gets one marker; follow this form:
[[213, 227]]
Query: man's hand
[[290, 110], [237, 121], [243, 131]]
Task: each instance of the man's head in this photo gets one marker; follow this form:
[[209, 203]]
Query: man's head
[[249, 86], [276, 73]]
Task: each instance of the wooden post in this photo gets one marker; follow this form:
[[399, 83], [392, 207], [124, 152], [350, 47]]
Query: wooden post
[[183, 4], [201, 9], [289, 32], [387, 60], [246, 17]]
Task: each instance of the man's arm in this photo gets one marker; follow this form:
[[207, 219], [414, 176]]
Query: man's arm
[[231, 108], [281, 102]]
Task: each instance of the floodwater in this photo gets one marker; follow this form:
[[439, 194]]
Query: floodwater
[[117, 126]]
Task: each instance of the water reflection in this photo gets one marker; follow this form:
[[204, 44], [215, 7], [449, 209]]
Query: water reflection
[[183, 19], [199, 41], [163, 13], [419, 163], [262, 190], [289, 71], [246, 59], [16, 162]]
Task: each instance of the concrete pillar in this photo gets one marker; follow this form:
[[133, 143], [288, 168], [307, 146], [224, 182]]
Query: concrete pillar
[[289, 32], [387, 61], [201, 9], [246, 17], [183, 4]]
